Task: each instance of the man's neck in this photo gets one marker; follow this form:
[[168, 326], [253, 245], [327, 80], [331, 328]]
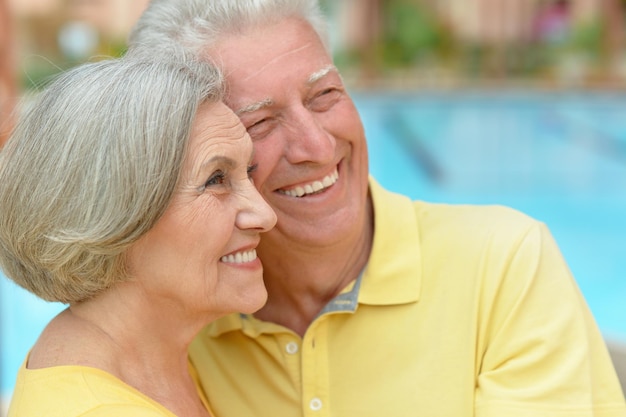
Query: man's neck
[[301, 280]]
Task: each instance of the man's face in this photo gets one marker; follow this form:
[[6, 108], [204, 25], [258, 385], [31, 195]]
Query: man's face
[[308, 137]]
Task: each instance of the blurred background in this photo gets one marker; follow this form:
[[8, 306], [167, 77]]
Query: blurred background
[[450, 43], [515, 102]]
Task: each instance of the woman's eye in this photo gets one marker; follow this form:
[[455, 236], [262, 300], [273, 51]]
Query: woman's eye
[[217, 178]]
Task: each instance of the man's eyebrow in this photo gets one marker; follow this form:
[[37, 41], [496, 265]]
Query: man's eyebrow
[[266, 102], [254, 106], [318, 75]]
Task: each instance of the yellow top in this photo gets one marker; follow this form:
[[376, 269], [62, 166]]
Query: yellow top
[[72, 391], [461, 311]]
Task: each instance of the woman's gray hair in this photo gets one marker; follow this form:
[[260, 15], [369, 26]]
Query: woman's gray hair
[[91, 166], [194, 25]]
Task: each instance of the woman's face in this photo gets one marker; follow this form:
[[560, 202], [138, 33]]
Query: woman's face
[[201, 253]]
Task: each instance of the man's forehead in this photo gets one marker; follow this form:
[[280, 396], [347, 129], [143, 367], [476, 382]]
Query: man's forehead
[[266, 102]]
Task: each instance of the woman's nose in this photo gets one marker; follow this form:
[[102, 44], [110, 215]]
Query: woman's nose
[[256, 213]]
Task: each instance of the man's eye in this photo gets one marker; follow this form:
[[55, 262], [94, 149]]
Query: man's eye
[[257, 123], [217, 178], [325, 99], [251, 169], [260, 128]]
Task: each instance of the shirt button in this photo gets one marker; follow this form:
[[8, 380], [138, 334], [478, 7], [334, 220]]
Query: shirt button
[[291, 348], [315, 404]]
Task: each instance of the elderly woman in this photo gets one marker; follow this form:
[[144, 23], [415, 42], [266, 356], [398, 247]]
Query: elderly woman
[[125, 192]]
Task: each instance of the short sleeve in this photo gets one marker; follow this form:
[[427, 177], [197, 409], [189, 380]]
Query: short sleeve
[[544, 355]]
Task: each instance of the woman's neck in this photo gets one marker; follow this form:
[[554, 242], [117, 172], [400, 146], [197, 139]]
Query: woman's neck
[[139, 342]]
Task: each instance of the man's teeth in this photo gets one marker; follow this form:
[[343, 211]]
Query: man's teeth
[[314, 187], [240, 257]]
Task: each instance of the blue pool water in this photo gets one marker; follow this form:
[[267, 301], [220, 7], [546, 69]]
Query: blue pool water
[[559, 158]]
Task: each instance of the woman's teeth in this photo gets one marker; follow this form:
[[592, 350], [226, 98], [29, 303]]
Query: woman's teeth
[[314, 187], [240, 257]]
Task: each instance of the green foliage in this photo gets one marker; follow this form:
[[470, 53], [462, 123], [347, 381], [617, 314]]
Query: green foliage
[[410, 34], [36, 75], [326, 6], [586, 38]]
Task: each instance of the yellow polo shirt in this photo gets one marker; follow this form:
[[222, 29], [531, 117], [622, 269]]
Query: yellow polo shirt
[[461, 311]]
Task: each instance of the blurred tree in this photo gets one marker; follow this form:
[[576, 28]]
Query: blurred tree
[[613, 36], [587, 38], [410, 34], [358, 29]]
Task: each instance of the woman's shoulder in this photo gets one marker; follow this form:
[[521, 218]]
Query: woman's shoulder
[[68, 341], [72, 390]]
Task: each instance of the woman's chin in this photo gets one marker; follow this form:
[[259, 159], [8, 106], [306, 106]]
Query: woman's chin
[[254, 301]]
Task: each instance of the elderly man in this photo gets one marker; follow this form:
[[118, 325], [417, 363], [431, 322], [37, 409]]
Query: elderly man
[[378, 306]]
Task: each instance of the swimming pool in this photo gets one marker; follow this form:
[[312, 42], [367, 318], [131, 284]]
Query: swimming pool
[[560, 158]]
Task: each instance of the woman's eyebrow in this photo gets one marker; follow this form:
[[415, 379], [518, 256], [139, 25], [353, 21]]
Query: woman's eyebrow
[[225, 161]]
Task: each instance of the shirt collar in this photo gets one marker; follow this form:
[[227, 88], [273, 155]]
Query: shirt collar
[[394, 272]]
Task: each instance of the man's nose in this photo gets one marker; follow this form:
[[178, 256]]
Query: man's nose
[[308, 140]]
